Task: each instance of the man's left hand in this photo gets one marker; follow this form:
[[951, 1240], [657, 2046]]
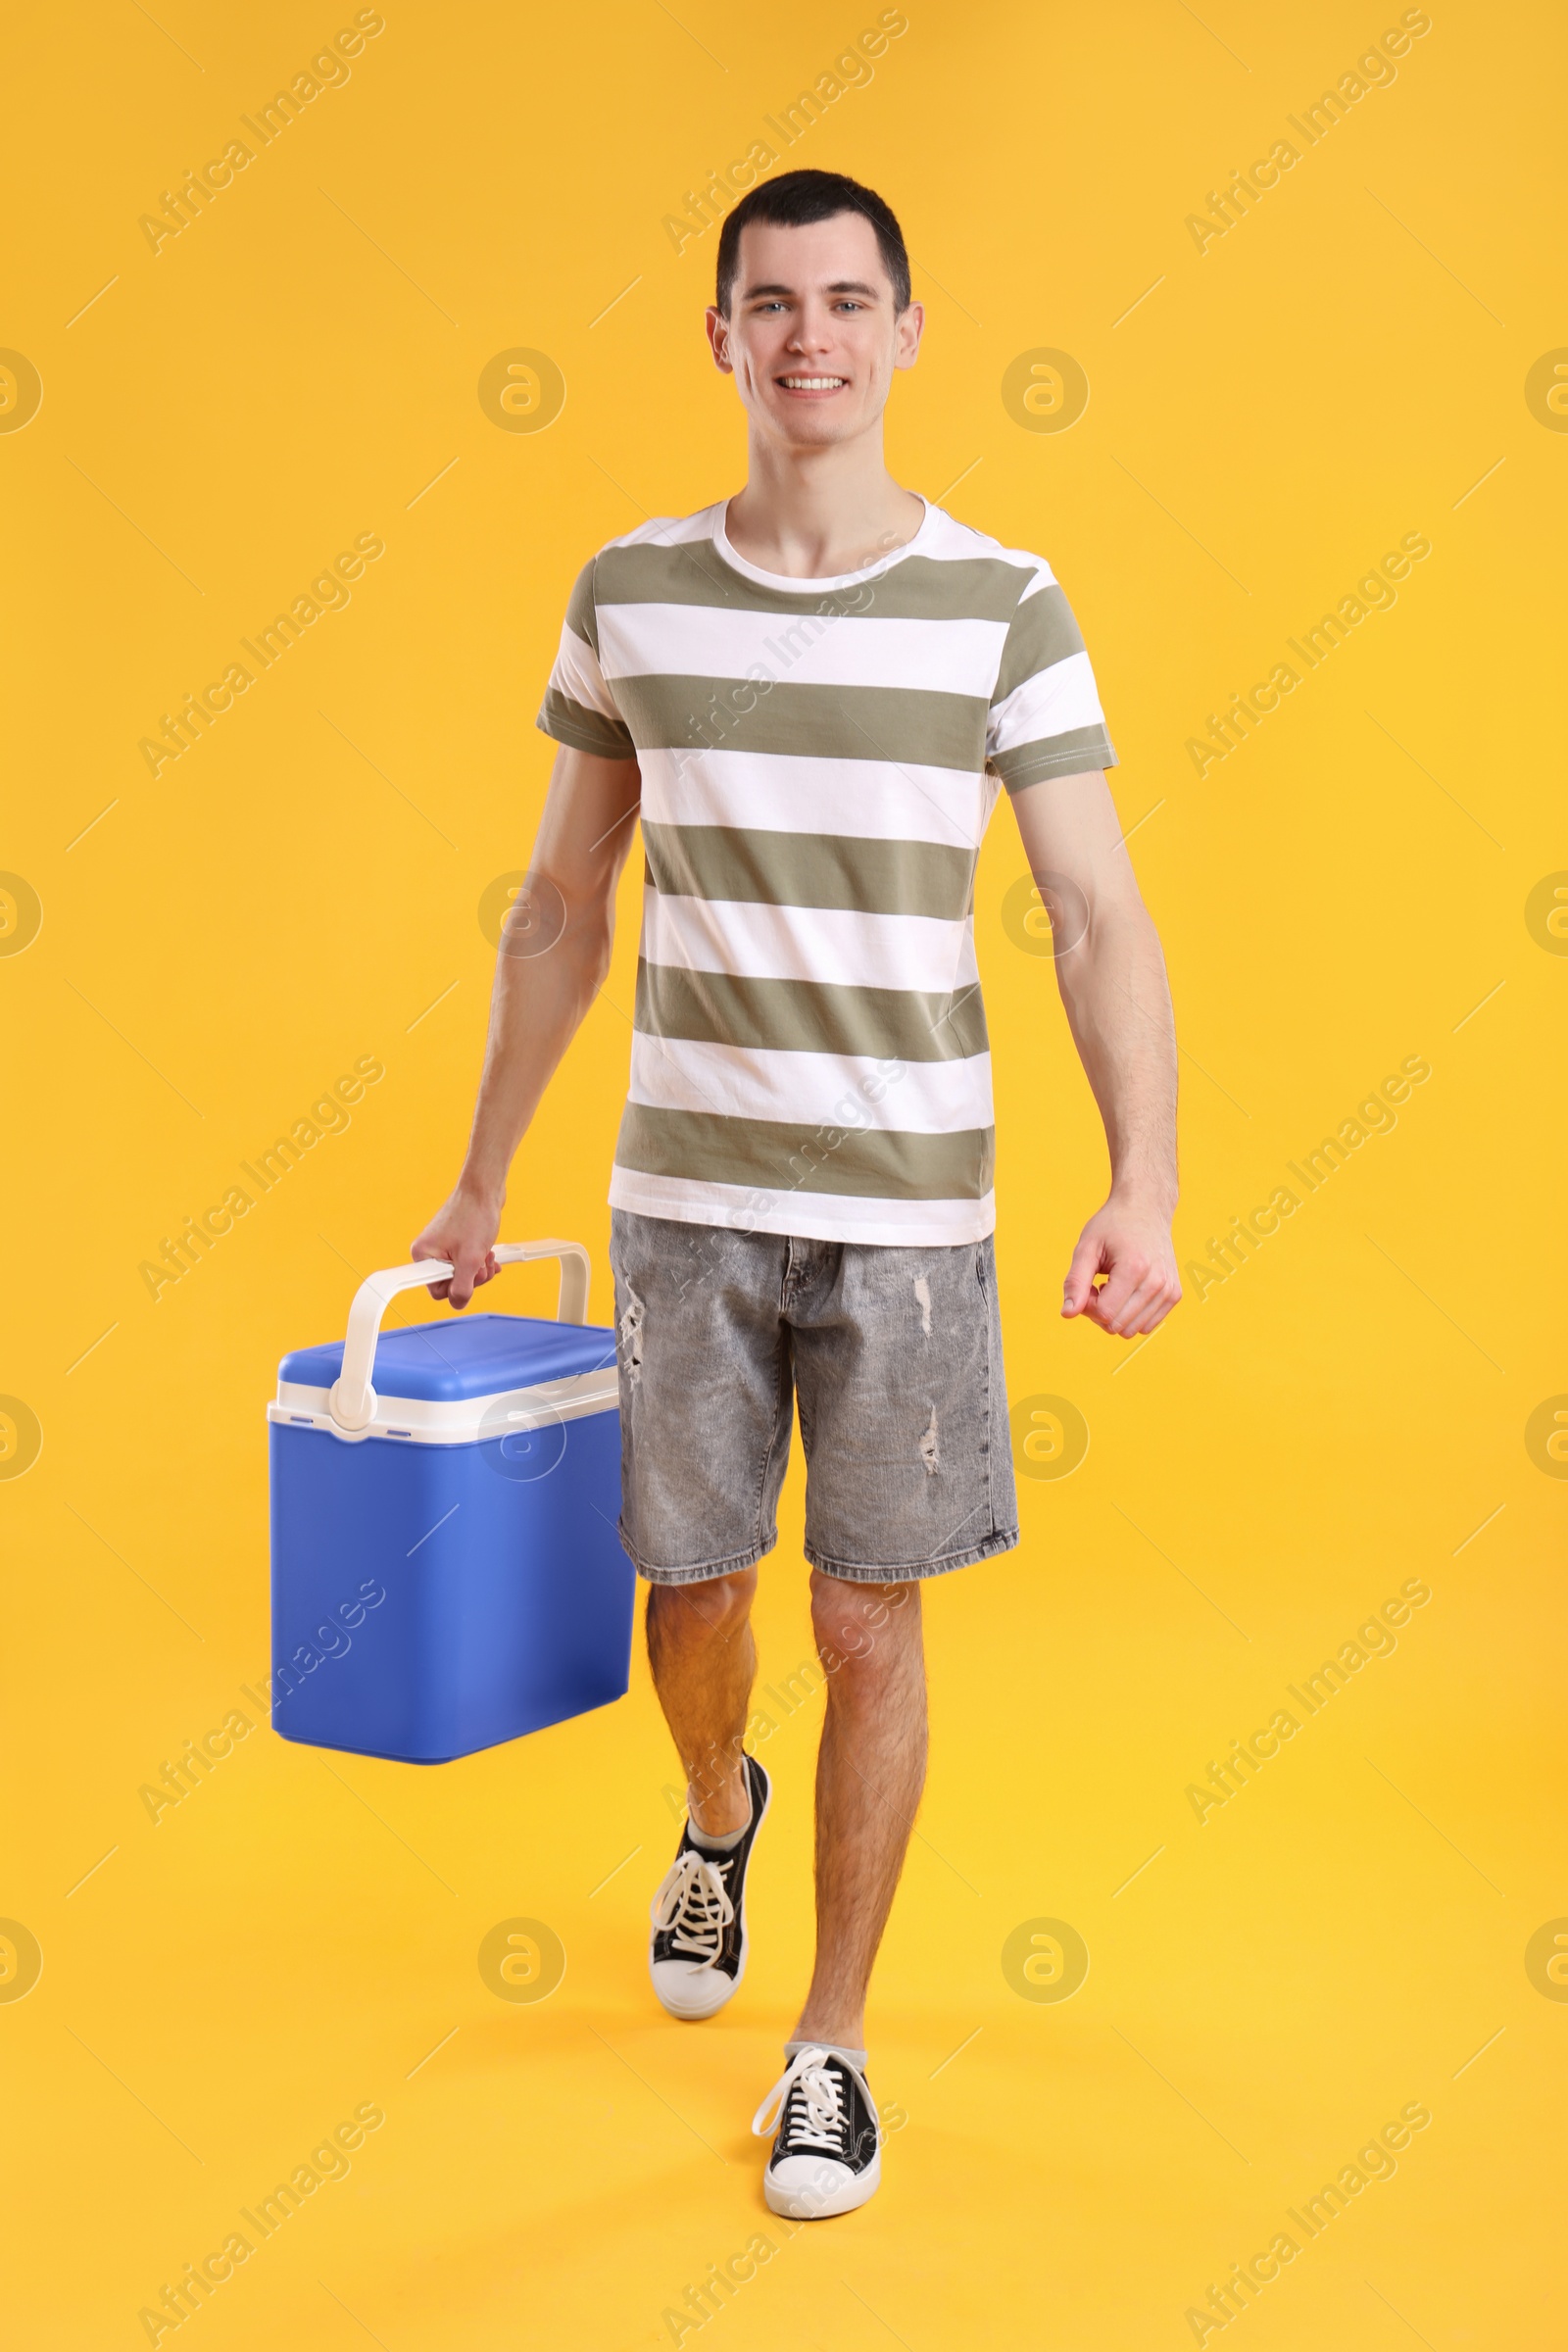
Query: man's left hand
[[1129, 1241]]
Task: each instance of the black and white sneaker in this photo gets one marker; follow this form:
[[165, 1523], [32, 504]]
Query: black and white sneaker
[[697, 1954], [828, 2156]]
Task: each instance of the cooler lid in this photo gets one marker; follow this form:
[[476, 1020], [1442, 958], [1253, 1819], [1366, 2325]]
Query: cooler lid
[[465, 1356]]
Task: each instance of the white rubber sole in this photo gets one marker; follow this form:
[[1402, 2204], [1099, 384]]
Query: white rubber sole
[[689, 1993], [810, 2189]]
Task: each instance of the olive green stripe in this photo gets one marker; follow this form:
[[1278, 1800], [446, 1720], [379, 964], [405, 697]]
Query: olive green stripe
[[1043, 632], [869, 1164], [808, 1016], [917, 588], [764, 869], [585, 730], [582, 618], [903, 724], [1066, 755]]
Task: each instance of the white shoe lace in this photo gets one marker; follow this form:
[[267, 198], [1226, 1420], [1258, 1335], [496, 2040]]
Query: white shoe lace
[[694, 1902], [810, 2098]]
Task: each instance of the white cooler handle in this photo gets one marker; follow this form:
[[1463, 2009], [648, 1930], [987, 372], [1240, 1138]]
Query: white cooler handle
[[352, 1401]]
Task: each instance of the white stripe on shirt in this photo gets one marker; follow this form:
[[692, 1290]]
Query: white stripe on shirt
[[776, 791], [843, 1089], [854, 649], [841, 945]]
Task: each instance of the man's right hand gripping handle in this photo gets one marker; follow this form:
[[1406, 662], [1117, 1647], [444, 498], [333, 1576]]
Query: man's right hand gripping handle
[[463, 1233]]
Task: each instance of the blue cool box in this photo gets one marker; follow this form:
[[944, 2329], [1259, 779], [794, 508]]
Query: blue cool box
[[446, 1570]]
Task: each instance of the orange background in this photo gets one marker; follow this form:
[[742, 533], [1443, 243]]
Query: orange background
[[1348, 1411]]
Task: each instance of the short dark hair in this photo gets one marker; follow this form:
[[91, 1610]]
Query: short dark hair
[[796, 198]]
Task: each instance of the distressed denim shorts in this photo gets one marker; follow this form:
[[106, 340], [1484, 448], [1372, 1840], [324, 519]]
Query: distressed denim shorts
[[893, 1356]]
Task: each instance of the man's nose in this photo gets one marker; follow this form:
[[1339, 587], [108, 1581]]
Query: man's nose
[[813, 330]]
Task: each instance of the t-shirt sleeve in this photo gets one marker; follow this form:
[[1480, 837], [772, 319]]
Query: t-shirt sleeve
[[1044, 717], [578, 707]]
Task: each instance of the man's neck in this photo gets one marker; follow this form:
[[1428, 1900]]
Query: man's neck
[[812, 514]]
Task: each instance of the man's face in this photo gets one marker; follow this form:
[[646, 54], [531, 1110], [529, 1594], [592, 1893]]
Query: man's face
[[811, 338]]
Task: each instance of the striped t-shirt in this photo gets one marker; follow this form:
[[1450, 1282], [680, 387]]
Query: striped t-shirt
[[819, 759]]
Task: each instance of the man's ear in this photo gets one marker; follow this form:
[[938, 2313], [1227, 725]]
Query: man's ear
[[718, 340], [906, 335]]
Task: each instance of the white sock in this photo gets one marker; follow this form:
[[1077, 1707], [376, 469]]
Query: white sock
[[854, 2058], [711, 1844]]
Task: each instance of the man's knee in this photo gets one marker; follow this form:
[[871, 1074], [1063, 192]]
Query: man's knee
[[693, 1615], [862, 1629]]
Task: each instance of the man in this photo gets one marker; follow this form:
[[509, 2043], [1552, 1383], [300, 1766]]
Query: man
[[812, 694]]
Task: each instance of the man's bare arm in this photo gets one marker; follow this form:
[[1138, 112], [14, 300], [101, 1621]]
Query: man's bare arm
[[1112, 980], [555, 954]]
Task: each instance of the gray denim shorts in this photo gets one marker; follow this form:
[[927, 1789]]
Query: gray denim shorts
[[893, 1356]]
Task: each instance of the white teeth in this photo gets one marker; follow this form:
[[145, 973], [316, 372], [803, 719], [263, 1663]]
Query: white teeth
[[814, 383]]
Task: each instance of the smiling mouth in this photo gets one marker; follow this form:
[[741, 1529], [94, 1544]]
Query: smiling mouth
[[812, 383]]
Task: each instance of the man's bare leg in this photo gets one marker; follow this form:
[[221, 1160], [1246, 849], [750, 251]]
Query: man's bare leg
[[870, 1769], [704, 1661]]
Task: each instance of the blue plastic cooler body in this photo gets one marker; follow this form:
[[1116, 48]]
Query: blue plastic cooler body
[[432, 1598]]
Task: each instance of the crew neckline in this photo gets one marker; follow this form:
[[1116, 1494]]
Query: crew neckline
[[841, 580]]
